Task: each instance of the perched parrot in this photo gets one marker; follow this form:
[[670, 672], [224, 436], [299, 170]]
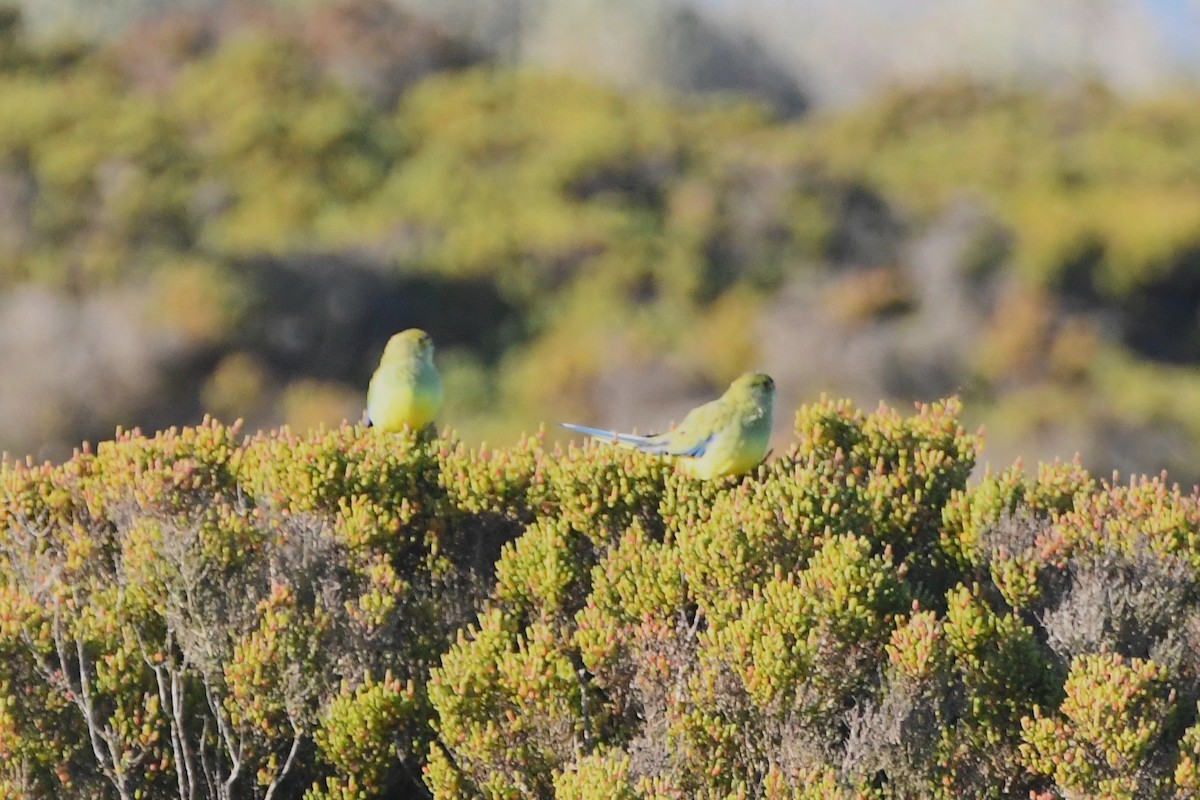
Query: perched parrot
[[406, 388], [726, 436]]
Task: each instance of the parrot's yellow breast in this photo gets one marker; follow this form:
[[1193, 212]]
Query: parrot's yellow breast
[[399, 397], [729, 455]]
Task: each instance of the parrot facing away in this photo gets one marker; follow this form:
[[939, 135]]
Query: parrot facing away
[[726, 436]]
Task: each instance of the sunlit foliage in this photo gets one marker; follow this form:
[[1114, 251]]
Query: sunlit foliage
[[350, 614]]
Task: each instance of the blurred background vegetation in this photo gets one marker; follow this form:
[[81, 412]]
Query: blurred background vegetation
[[604, 212]]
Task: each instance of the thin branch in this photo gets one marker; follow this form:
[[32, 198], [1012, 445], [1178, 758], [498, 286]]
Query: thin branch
[[225, 734], [207, 763], [297, 737], [177, 711], [81, 696]]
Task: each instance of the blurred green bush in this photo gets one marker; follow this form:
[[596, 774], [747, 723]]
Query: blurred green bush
[[280, 199], [349, 614]]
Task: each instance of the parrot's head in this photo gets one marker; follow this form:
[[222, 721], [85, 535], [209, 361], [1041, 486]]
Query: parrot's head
[[412, 343], [759, 386]]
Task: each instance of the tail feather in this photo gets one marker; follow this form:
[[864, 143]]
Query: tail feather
[[648, 444]]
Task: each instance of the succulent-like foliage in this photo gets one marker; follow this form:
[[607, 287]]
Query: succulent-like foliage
[[202, 614], [1102, 741], [350, 614]]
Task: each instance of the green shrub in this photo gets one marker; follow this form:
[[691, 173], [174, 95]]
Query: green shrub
[[206, 610], [350, 614], [1101, 742]]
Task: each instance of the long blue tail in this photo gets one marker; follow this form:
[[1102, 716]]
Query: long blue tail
[[647, 443]]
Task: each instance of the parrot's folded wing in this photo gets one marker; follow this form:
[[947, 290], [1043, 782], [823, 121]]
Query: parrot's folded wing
[[693, 448], [646, 443], [697, 429]]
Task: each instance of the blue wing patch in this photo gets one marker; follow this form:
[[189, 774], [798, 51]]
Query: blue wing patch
[[696, 450]]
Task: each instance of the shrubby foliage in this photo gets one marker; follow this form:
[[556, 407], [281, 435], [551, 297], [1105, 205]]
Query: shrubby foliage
[[348, 614], [262, 196]]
